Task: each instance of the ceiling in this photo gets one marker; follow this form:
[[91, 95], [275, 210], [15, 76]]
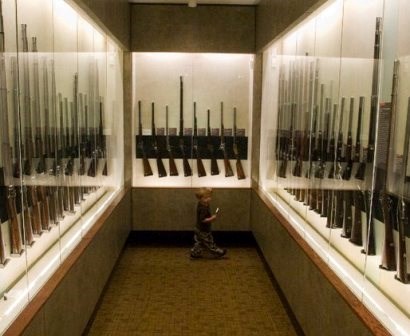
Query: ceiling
[[200, 2]]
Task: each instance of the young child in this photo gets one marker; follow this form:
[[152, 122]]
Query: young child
[[203, 229]]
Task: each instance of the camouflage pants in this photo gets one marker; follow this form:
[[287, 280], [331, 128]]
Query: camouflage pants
[[204, 241]]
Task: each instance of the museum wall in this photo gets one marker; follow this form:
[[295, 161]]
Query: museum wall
[[112, 14], [273, 17], [179, 28], [167, 209]]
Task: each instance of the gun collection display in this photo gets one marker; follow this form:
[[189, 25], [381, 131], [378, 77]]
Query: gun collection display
[[195, 147], [346, 180], [193, 144], [44, 154]]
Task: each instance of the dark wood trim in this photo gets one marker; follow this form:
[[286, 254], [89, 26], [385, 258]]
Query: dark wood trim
[[23, 320], [368, 319]]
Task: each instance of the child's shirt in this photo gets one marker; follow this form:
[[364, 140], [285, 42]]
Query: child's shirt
[[203, 212]]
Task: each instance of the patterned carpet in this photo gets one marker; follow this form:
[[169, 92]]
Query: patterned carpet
[[160, 291]]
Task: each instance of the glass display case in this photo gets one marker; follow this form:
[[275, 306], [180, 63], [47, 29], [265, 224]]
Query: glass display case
[[191, 119], [334, 145], [61, 157]]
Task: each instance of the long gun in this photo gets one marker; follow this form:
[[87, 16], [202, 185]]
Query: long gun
[[197, 154], [375, 90], [160, 165], [359, 197], [403, 211], [339, 194], [211, 148], [173, 171], [101, 139], [145, 162], [187, 167], [239, 169], [28, 134], [362, 163], [388, 260], [5, 156], [39, 146], [227, 163], [347, 171]]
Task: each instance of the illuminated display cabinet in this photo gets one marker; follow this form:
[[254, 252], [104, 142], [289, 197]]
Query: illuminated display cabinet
[[191, 119], [61, 129], [335, 145]]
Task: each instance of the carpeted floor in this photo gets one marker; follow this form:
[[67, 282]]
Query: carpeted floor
[[160, 291]]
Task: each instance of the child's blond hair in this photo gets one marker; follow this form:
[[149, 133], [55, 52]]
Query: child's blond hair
[[203, 192]]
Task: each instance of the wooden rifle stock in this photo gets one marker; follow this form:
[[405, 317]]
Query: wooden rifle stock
[[185, 163], [173, 171], [214, 164], [35, 210], [15, 234], [199, 163], [160, 165], [347, 214], [356, 231], [145, 163], [227, 163], [239, 169]]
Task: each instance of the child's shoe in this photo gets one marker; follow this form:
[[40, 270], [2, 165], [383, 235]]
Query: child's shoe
[[220, 252]]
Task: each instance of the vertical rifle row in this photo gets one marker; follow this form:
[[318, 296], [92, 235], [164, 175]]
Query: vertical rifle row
[[335, 174], [48, 142], [205, 143]]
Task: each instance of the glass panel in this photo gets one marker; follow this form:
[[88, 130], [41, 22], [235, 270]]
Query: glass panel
[[54, 115], [178, 155], [354, 214]]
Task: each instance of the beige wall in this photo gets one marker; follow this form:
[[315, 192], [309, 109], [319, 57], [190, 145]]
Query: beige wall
[[274, 16], [161, 209], [179, 28], [114, 15]]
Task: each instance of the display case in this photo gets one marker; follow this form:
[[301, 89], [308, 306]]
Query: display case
[[61, 157], [191, 119], [334, 145]]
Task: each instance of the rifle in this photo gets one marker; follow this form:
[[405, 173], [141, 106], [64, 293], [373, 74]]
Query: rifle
[[102, 144], [199, 163], [347, 171], [402, 211], [211, 148], [358, 196], [28, 135], [93, 97], [375, 90], [160, 164], [140, 145], [388, 260], [339, 194], [5, 156], [83, 131], [173, 171], [239, 169], [37, 136], [323, 198], [360, 174], [227, 163], [187, 167], [330, 195]]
